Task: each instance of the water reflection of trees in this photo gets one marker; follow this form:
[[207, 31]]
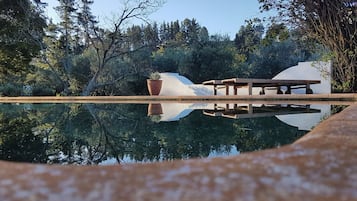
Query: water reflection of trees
[[92, 133], [18, 142]]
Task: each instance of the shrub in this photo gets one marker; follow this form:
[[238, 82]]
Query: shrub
[[43, 91], [10, 90], [155, 76]]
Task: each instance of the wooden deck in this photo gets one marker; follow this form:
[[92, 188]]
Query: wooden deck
[[263, 83]]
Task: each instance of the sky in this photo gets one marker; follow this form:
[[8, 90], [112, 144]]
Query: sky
[[223, 17]]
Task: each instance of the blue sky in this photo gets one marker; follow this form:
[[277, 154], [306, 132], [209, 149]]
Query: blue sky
[[223, 17]]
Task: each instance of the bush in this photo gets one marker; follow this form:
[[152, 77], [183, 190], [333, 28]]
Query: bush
[[10, 90], [43, 91]]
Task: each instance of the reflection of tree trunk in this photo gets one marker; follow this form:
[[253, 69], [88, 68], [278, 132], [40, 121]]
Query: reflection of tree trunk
[[106, 133], [57, 122], [91, 110]]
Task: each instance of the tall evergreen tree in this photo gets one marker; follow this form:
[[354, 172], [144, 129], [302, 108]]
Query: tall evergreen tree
[[190, 28], [21, 30], [67, 25], [248, 38], [86, 20]]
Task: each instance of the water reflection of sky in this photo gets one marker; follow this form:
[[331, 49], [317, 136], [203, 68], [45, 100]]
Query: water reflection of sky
[[226, 151]]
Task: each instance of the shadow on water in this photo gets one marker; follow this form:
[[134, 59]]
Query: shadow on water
[[121, 133]]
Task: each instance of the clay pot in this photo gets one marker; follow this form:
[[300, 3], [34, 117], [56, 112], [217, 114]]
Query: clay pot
[[154, 87], [154, 109]]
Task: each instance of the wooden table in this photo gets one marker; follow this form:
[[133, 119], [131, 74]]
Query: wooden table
[[250, 111], [263, 83]]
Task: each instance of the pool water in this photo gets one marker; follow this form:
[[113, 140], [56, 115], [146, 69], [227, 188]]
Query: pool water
[[89, 134]]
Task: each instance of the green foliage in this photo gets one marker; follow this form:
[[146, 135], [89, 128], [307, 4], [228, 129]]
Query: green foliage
[[249, 37], [170, 59], [41, 90], [18, 142], [258, 134], [80, 73], [21, 30], [155, 118], [271, 60], [10, 89], [275, 33], [332, 23], [155, 75], [43, 83], [279, 49], [212, 61]]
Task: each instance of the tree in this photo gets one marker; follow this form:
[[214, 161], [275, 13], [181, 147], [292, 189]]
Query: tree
[[59, 46], [270, 60], [67, 10], [203, 35], [86, 20], [248, 38], [64, 45], [275, 33], [279, 49], [78, 44], [333, 23], [51, 59], [21, 29], [212, 61], [190, 29], [112, 43]]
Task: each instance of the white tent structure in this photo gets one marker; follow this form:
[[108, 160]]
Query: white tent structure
[[177, 85], [316, 70]]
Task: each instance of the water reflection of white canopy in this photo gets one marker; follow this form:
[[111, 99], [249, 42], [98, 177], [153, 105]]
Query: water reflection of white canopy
[[303, 121]]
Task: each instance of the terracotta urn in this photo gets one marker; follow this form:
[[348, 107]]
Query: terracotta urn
[[154, 109], [154, 87]]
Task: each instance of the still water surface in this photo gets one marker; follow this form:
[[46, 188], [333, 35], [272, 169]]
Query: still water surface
[[124, 133]]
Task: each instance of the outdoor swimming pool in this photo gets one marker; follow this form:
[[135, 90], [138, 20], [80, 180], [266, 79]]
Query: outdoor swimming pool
[[126, 133]]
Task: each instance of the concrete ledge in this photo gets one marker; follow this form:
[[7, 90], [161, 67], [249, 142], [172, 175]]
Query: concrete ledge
[[319, 166], [145, 99]]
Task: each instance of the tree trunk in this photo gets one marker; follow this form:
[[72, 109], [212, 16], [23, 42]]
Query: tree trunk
[[91, 85]]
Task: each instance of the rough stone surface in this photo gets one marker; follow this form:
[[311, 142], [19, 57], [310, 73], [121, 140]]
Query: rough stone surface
[[320, 166]]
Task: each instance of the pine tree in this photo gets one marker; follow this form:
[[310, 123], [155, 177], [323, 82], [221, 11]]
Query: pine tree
[[67, 26], [87, 21]]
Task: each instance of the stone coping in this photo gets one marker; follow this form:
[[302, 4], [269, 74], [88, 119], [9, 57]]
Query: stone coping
[[319, 166], [352, 97]]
